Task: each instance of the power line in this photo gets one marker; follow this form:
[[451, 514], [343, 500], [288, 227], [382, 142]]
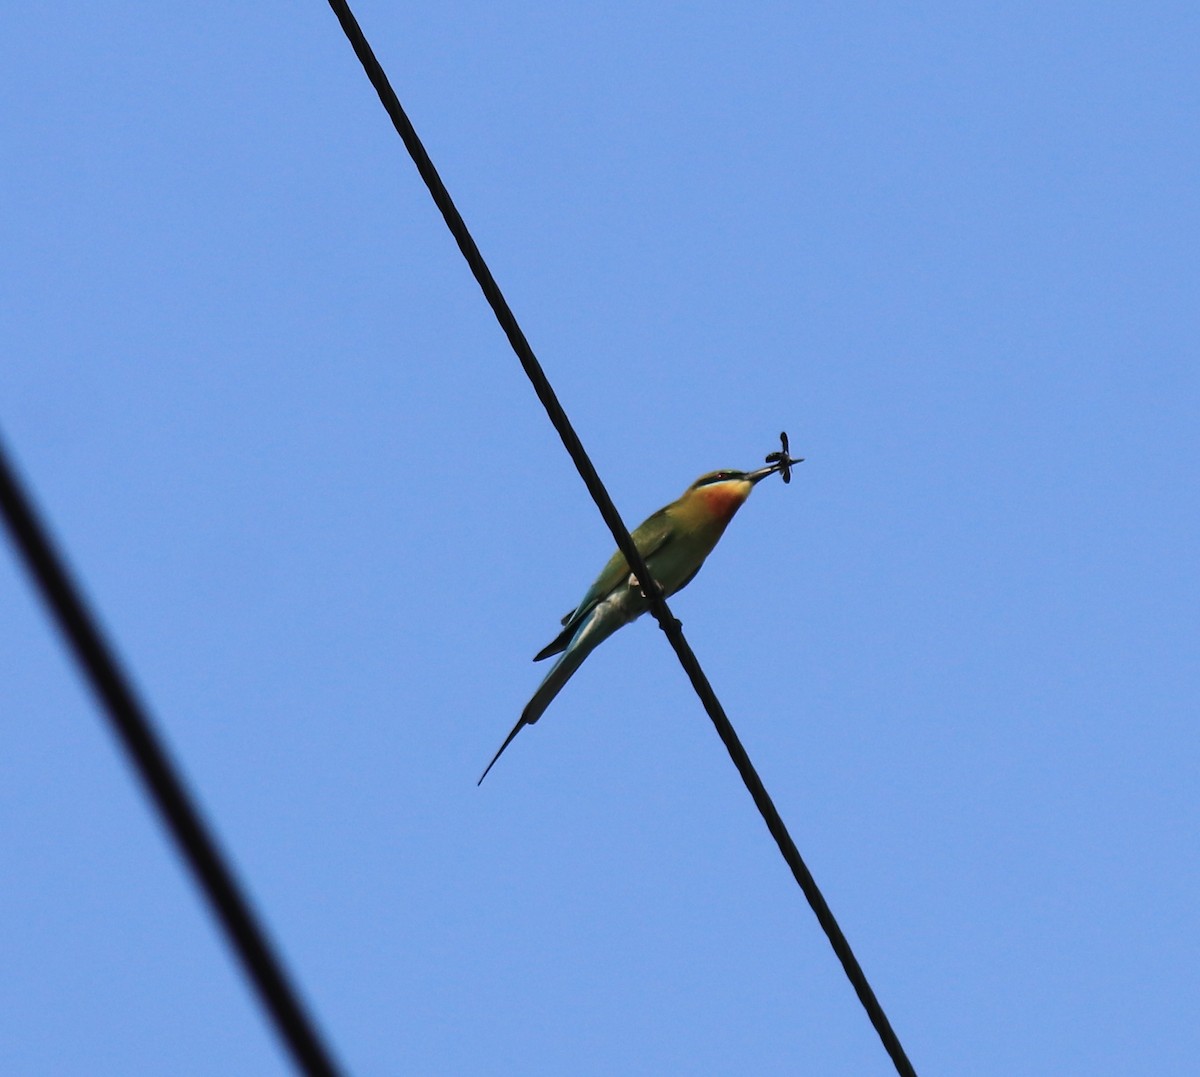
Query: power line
[[591, 479], [131, 723]]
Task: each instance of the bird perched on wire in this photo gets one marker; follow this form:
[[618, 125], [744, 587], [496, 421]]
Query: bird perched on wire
[[674, 543]]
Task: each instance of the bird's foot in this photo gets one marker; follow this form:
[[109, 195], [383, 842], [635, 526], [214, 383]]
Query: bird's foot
[[636, 586]]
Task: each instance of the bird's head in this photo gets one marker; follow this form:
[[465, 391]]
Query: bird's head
[[722, 493], [731, 479]]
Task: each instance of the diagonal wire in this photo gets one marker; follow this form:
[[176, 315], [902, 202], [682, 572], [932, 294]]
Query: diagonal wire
[[591, 479], [131, 723]]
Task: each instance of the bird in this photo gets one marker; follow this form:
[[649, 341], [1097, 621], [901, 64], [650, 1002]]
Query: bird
[[673, 542]]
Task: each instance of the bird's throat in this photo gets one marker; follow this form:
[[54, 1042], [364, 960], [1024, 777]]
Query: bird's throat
[[722, 500]]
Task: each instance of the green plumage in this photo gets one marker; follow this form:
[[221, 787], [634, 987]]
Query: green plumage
[[674, 543], [650, 538]]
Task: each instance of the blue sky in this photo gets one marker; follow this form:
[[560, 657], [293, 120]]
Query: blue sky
[[952, 249]]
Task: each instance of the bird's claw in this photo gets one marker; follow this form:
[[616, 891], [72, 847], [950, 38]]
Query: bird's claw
[[633, 583]]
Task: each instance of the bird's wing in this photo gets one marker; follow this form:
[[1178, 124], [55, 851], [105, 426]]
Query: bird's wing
[[650, 537]]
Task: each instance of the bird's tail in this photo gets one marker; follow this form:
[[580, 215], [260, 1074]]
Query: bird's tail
[[562, 671], [595, 629], [507, 741]]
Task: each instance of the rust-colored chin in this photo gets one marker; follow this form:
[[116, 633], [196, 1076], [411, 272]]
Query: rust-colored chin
[[724, 499]]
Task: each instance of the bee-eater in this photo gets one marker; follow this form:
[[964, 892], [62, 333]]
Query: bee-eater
[[674, 543]]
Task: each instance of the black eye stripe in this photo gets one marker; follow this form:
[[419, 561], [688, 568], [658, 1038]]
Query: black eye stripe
[[715, 477]]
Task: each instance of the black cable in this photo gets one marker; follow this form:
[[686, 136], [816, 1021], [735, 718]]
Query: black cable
[[131, 723], [591, 479]]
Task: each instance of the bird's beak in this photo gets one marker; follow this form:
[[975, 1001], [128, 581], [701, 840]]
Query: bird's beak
[[763, 472]]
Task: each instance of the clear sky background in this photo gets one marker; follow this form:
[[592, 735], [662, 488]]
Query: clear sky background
[[952, 249]]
